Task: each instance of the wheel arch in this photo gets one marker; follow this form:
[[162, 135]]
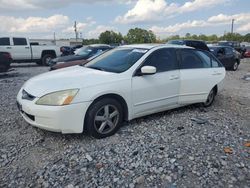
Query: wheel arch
[[216, 89], [115, 96], [51, 52]]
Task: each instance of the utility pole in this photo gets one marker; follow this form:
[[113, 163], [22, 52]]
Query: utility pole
[[55, 38], [75, 26], [232, 26]]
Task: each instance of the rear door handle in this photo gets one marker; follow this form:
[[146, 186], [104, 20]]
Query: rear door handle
[[217, 73], [174, 77], [8, 47]]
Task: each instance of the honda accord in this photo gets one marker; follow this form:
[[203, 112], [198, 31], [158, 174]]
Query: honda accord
[[125, 83]]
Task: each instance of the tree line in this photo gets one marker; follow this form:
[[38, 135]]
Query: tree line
[[214, 38], [138, 36]]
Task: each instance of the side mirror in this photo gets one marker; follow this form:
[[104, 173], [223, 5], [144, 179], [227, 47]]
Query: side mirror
[[148, 70]]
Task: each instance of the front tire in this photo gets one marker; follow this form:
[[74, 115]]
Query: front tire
[[104, 118], [46, 59], [210, 98]]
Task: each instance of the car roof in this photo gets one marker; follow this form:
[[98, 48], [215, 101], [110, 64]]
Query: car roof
[[228, 41], [99, 45], [150, 46], [188, 40], [220, 46]]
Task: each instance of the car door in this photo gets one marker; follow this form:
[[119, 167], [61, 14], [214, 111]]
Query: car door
[[230, 56], [221, 55], [197, 75], [21, 49], [152, 93]]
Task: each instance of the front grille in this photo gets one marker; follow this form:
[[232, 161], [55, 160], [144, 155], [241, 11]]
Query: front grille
[[27, 96]]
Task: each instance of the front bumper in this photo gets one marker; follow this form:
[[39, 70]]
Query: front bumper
[[65, 119]]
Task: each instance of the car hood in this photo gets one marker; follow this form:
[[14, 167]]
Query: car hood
[[69, 58], [68, 78], [68, 64]]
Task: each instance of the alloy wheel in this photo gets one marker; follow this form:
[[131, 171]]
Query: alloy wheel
[[210, 98], [235, 67], [47, 60], [106, 119]]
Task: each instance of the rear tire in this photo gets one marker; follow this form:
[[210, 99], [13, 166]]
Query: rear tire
[[104, 118], [46, 58], [210, 98], [235, 66]]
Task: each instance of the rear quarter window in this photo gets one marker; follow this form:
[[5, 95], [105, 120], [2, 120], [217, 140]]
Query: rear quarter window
[[214, 61]]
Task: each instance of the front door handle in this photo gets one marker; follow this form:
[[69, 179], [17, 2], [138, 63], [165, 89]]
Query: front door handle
[[27, 47], [8, 47]]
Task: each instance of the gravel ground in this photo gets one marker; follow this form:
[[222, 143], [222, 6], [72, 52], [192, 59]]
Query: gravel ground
[[169, 149]]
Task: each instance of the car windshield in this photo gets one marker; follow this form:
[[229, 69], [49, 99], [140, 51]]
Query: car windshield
[[232, 44], [84, 51], [225, 43], [117, 60]]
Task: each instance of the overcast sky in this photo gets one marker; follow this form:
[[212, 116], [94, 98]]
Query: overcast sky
[[41, 18]]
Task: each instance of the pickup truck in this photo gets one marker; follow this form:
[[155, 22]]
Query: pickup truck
[[22, 51]]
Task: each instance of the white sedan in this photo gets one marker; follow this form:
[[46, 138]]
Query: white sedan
[[125, 83]]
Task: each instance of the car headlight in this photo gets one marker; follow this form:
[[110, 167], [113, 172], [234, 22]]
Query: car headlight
[[58, 98]]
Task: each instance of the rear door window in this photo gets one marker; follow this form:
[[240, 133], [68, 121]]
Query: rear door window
[[4, 41], [192, 59], [20, 41]]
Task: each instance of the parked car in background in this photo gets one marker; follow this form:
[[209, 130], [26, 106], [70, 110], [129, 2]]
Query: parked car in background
[[228, 56], [247, 52], [5, 61], [75, 47], [66, 50], [122, 84], [69, 50], [61, 65], [197, 44], [235, 45], [21, 50], [81, 53]]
